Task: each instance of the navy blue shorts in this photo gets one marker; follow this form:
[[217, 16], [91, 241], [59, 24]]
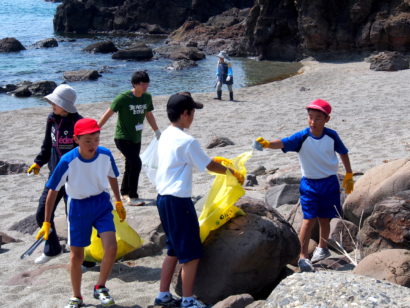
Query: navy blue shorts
[[83, 214], [320, 197], [180, 223]]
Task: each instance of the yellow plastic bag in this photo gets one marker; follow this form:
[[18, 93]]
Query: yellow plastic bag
[[128, 240], [225, 191]]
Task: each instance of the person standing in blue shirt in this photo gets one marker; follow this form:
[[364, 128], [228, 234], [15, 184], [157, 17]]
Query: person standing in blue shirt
[[224, 75], [319, 187], [87, 173]]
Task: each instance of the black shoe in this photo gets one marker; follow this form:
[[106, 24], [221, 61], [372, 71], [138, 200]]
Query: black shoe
[[168, 301]]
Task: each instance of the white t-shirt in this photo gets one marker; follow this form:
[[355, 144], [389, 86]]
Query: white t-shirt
[[84, 178], [178, 153]]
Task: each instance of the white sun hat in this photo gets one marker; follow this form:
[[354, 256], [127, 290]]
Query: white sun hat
[[63, 96]]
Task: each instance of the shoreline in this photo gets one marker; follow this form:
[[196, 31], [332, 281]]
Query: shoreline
[[369, 113]]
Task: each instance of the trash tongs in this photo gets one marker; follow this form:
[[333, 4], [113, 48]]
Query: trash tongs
[[33, 247]]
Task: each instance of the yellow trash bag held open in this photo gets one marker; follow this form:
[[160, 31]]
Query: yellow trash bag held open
[[225, 191], [128, 240]]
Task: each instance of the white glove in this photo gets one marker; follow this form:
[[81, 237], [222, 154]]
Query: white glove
[[157, 134], [228, 78]]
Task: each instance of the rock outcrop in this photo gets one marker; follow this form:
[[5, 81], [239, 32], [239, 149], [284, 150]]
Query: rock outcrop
[[375, 185], [136, 15], [246, 255], [388, 226], [291, 29], [390, 264], [10, 44]]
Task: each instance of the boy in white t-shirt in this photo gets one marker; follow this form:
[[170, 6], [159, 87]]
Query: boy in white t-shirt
[[179, 153], [319, 187], [87, 172]]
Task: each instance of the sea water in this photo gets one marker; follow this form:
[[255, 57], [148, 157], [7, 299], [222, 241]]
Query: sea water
[[30, 21]]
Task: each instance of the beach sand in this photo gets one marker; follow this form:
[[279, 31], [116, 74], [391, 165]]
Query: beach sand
[[370, 113]]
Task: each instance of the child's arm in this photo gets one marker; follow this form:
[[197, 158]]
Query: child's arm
[[107, 114], [274, 144], [348, 182], [118, 203], [346, 162], [50, 203], [217, 167]]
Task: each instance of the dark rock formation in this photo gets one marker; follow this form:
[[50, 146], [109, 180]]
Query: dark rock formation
[[138, 51], [46, 43], [291, 29], [81, 75], [10, 44], [219, 142], [221, 32], [28, 88], [177, 52], [389, 61], [101, 47], [27, 225], [132, 15], [181, 64]]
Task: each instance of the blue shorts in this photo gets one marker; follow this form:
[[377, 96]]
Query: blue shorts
[[320, 197], [180, 223], [83, 214]]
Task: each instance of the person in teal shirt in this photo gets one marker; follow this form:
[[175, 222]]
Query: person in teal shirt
[[132, 106]]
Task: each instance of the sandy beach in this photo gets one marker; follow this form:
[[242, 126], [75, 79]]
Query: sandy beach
[[370, 112]]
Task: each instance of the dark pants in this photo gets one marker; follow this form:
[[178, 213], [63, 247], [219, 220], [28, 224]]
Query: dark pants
[[52, 246], [131, 151]]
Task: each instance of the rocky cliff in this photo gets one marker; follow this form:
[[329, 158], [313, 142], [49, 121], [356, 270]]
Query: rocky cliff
[[290, 29], [85, 16], [273, 29]]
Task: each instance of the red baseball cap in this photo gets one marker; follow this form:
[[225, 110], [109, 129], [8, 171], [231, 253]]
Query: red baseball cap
[[86, 126], [321, 105]]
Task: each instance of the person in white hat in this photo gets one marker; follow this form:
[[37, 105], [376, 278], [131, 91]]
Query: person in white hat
[[58, 140], [224, 75]]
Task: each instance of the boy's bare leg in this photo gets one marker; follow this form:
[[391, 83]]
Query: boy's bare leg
[[76, 259], [167, 271], [188, 277], [304, 237], [110, 252], [324, 224]]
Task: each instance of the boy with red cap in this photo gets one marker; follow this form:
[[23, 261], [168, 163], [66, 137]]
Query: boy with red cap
[[319, 187], [87, 172]]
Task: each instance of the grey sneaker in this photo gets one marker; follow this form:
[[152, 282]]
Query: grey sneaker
[[104, 297], [168, 301], [305, 265], [74, 303], [320, 254], [193, 303]]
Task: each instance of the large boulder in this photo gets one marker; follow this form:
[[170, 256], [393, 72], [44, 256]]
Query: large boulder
[[282, 194], [389, 61], [138, 51], [177, 52], [336, 289], [38, 88], [375, 185], [10, 44], [46, 43], [344, 233], [81, 75], [388, 226], [101, 47], [235, 301], [246, 255], [390, 264]]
